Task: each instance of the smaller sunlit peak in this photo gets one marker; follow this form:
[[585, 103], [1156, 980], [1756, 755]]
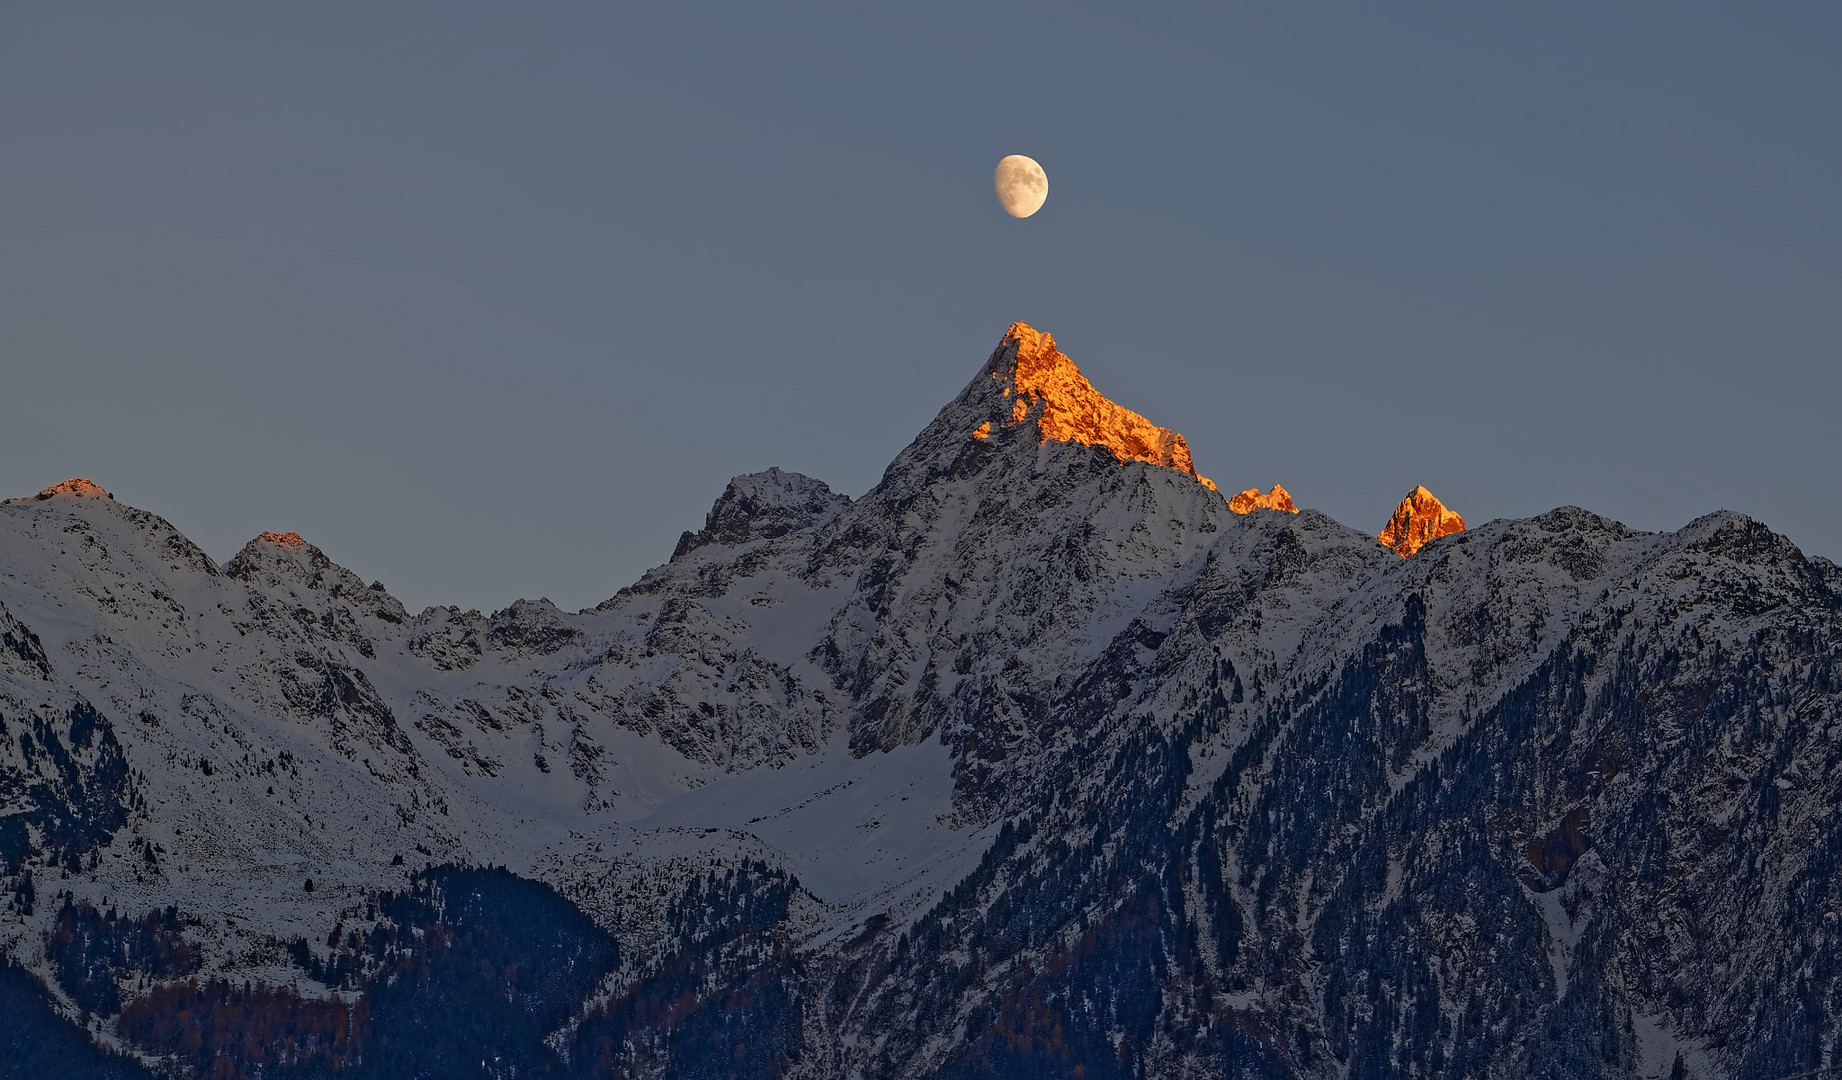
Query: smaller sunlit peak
[[76, 485], [1254, 499], [1420, 519], [287, 539]]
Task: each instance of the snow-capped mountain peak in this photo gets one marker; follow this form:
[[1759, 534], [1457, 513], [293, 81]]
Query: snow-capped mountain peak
[[75, 486], [763, 505], [1045, 386], [1038, 751]]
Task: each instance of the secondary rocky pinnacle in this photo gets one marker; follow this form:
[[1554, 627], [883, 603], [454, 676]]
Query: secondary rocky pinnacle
[[1420, 519], [1254, 499]]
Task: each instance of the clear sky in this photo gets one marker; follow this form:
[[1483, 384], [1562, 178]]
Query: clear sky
[[489, 301]]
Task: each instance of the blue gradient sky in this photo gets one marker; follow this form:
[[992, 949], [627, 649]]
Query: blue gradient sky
[[489, 301]]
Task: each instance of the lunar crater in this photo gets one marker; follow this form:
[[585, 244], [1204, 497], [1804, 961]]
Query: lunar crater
[[1021, 184]]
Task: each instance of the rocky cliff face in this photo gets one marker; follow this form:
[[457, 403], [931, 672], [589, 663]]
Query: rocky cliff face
[[1039, 756], [1420, 519], [1044, 386], [1254, 499]]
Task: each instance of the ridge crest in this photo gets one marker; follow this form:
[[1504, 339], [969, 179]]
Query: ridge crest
[[1042, 381]]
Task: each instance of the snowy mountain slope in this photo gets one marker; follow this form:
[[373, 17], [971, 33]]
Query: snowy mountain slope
[[1372, 874], [1037, 755], [281, 684]]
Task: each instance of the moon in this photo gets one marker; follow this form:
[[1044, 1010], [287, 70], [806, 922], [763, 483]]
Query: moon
[[1022, 185]]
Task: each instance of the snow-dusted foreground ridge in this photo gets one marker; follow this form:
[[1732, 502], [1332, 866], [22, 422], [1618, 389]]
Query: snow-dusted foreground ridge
[[1035, 760]]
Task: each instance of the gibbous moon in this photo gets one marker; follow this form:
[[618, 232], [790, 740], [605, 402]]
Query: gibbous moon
[[1022, 185]]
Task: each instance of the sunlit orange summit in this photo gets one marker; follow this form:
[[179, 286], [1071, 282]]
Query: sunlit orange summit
[[1254, 499], [1420, 519], [1071, 410]]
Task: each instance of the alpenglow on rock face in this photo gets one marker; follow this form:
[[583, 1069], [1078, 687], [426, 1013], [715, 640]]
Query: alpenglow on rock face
[[1254, 499], [76, 485], [1420, 519], [1044, 384], [1037, 759]]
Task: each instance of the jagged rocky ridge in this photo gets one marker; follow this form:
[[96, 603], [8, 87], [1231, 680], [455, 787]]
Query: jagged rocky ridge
[[1036, 758], [1420, 518], [1254, 499]]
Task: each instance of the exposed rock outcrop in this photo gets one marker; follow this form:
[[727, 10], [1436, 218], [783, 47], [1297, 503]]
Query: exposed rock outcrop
[[76, 485], [1253, 499], [1420, 519], [1046, 384]]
